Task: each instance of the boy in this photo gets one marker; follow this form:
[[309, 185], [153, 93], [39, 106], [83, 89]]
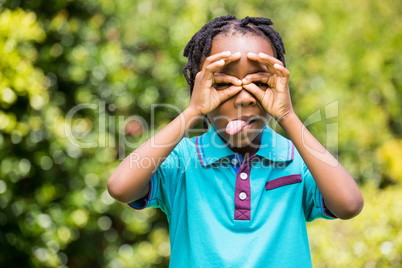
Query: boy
[[239, 195]]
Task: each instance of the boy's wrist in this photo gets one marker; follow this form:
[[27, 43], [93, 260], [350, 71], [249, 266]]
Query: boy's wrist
[[287, 120], [193, 116]]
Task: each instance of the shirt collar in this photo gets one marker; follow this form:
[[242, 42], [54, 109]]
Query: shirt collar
[[211, 148]]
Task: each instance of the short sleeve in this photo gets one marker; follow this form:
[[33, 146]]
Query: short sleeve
[[163, 184], [313, 202]]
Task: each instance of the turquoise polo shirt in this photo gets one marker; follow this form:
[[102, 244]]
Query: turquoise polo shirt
[[225, 211]]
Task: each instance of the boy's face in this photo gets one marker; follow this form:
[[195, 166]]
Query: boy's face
[[243, 105]]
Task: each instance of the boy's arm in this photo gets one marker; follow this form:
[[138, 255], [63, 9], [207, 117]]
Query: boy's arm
[[130, 181], [339, 190]]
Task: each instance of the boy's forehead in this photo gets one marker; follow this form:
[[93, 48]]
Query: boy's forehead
[[242, 44]]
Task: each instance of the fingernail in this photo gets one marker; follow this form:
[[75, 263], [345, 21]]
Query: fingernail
[[244, 81], [237, 54], [276, 65], [227, 52], [251, 54]]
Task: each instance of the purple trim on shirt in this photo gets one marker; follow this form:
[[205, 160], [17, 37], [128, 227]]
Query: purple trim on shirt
[[131, 204], [282, 181], [326, 210], [198, 150], [293, 151], [243, 207]]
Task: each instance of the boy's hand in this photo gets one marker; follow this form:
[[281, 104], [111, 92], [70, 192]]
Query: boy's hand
[[206, 94], [274, 96]]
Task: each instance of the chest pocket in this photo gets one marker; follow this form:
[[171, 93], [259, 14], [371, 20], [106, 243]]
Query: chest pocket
[[283, 181]]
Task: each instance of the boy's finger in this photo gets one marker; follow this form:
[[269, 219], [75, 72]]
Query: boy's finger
[[256, 91], [281, 70], [267, 58], [221, 60], [264, 62], [226, 55], [224, 78], [234, 57], [272, 82], [212, 68], [256, 77], [252, 56], [217, 56], [282, 74], [213, 58], [228, 93]]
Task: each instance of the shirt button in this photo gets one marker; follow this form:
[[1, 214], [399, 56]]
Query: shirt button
[[242, 195], [243, 176], [234, 161]]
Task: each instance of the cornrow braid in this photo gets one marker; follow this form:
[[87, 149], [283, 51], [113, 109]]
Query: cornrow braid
[[201, 43]]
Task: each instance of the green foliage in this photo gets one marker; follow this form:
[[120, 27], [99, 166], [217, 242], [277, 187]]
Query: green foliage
[[19, 77], [372, 239], [74, 73]]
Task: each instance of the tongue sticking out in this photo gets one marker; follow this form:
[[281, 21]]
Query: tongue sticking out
[[235, 126]]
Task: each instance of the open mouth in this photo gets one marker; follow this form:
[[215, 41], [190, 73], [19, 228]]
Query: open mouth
[[237, 125]]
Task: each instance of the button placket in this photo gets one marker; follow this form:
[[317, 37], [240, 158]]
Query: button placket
[[243, 192]]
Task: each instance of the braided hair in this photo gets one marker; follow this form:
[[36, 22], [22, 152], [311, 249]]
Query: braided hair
[[201, 43]]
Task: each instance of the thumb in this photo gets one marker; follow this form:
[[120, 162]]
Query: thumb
[[256, 91]]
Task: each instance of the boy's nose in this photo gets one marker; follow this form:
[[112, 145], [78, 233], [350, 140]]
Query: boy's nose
[[245, 98]]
